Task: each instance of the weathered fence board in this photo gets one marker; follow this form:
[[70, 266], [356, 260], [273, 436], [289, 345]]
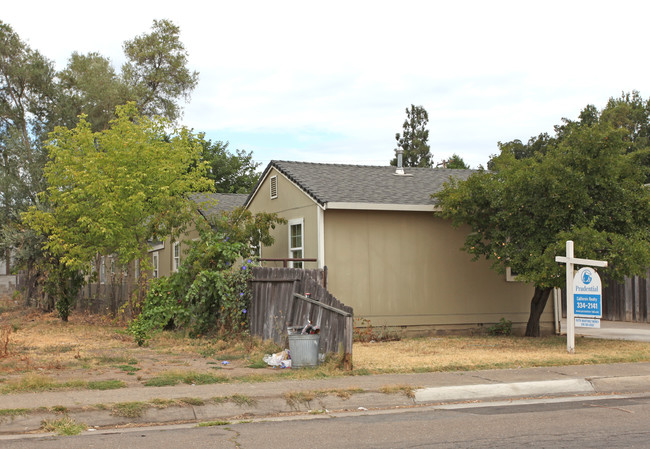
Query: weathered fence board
[[274, 307]]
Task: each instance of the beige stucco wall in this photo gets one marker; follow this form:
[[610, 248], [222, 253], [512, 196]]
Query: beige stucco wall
[[401, 269], [407, 269], [291, 203]]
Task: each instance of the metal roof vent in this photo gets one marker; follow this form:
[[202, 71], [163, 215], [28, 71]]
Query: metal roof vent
[[399, 171]]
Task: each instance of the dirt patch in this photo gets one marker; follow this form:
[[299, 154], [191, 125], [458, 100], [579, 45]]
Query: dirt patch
[[95, 348]]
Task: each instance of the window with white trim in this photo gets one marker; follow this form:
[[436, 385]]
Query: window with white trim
[[154, 263], [274, 187], [296, 241], [176, 263], [102, 270], [511, 276]]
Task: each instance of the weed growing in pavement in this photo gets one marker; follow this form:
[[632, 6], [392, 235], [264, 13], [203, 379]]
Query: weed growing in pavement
[[213, 423], [295, 398], [129, 409], [58, 409], [197, 402], [242, 400], [407, 390], [64, 426], [187, 377], [13, 411]]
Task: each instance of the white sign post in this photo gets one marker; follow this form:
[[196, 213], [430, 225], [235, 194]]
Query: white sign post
[[570, 261]]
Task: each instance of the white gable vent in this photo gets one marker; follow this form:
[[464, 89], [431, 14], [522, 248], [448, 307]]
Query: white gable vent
[[274, 187]]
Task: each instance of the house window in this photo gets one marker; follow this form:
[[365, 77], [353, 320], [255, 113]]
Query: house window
[[274, 187], [154, 263], [102, 271], [177, 256], [296, 239], [511, 276]]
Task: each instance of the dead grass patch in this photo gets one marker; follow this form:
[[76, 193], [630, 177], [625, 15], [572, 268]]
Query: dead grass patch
[[469, 353], [98, 349]]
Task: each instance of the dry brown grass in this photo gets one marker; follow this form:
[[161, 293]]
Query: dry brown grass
[[95, 348], [468, 353]]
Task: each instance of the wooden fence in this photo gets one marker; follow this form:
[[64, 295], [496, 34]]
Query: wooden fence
[[105, 298], [628, 300], [280, 301]]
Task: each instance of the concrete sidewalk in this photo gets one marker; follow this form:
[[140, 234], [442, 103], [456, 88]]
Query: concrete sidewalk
[[244, 401]]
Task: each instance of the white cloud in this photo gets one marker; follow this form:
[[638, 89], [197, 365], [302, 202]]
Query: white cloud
[[330, 81]]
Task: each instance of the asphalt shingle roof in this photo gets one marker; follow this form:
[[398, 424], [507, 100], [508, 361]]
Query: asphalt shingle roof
[[365, 183], [213, 203]]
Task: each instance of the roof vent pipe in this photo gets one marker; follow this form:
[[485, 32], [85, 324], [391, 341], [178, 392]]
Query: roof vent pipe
[[400, 169]]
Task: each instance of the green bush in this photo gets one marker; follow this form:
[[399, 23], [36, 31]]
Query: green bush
[[503, 327], [209, 293]]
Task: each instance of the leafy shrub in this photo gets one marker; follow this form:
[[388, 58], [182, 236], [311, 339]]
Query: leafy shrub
[[209, 293], [503, 327]]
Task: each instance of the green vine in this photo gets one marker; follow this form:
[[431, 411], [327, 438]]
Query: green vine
[[209, 294]]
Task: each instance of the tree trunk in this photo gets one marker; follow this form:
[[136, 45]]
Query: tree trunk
[[537, 304]]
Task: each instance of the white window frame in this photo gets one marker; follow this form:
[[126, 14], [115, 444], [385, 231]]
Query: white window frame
[[301, 248], [102, 270], [176, 256], [155, 267], [510, 276], [273, 183]]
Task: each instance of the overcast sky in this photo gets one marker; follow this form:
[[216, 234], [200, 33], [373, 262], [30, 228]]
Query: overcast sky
[[330, 81]]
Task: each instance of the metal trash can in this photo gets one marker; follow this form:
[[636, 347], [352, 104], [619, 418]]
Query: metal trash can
[[303, 348]]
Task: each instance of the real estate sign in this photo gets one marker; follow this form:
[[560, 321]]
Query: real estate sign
[[587, 293]]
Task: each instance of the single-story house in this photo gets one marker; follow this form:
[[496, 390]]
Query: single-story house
[[166, 256], [117, 282], [387, 253]]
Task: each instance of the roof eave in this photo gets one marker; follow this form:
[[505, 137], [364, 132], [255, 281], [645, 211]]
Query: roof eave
[[382, 206]]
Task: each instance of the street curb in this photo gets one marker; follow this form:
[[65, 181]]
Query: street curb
[[308, 398], [516, 389], [260, 408]]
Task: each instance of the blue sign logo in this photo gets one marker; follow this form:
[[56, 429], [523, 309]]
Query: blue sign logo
[[586, 277]]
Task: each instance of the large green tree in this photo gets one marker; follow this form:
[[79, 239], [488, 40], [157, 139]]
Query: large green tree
[[156, 70], [26, 99], [456, 162], [580, 185], [231, 172], [414, 139], [34, 98], [156, 76], [89, 85], [110, 192]]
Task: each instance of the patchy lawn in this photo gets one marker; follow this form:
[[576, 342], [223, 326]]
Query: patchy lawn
[[39, 352]]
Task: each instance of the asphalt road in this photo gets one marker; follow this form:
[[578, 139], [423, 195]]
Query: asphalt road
[[572, 422]]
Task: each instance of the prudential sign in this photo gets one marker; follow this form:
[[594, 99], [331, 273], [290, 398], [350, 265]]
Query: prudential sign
[[587, 294]]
